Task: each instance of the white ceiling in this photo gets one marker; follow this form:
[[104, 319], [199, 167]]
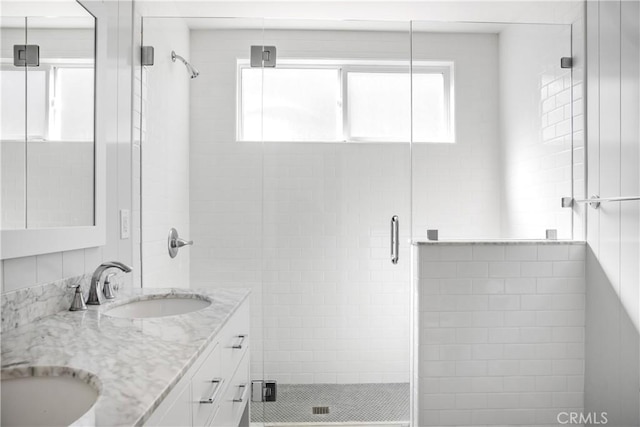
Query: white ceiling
[[533, 11], [338, 25]]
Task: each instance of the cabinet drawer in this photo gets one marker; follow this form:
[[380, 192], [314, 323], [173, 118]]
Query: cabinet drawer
[[235, 340], [207, 386], [236, 397]]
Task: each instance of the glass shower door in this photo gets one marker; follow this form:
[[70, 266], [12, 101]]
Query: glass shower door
[[213, 194], [336, 131]]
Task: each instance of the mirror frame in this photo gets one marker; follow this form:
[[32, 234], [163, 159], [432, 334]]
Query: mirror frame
[[28, 242]]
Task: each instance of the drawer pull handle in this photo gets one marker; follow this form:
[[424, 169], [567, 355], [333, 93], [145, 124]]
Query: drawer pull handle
[[218, 386], [240, 342], [242, 389]]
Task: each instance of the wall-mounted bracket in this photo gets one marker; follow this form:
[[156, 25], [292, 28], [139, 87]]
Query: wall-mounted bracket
[[567, 202], [26, 55], [146, 55]]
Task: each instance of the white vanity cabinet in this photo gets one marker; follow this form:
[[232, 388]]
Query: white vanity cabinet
[[216, 389]]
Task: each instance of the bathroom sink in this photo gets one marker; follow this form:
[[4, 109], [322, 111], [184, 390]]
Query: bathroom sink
[[158, 307], [47, 397]]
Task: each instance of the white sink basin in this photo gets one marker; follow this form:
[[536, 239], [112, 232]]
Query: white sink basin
[[159, 307], [54, 399]]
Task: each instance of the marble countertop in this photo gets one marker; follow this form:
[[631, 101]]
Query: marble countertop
[[138, 361]]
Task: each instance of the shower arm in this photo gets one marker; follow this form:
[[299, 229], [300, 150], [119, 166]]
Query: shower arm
[[192, 70], [175, 56]]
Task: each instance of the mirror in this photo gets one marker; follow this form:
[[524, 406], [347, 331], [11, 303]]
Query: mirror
[[48, 114], [54, 117]]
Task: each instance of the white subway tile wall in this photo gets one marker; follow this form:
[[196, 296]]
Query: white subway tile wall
[[501, 342], [329, 286], [20, 273], [163, 96]]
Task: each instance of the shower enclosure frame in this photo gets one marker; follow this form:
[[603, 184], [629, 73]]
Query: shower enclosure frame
[[409, 256]]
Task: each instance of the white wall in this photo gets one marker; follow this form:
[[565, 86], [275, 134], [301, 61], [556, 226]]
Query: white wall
[[501, 333], [20, 273], [613, 135], [165, 154], [535, 130]]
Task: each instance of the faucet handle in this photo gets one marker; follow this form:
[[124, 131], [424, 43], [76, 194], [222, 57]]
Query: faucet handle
[[78, 300], [107, 288]]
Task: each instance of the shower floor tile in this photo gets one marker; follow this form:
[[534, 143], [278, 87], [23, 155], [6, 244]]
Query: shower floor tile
[[349, 404]]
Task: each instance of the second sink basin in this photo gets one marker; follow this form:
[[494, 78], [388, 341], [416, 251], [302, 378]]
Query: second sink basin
[[48, 396], [158, 307]]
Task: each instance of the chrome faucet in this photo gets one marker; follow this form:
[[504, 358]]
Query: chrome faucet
[[96, 294]]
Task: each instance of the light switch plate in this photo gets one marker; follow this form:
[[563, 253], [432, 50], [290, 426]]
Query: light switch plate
[[125, 224]]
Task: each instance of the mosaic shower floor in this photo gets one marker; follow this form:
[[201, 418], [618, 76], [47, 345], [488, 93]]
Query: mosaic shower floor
[[348, 405]]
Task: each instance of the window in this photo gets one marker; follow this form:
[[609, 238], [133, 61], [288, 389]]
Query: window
[[325, 101], [59, 102], [297, 104]]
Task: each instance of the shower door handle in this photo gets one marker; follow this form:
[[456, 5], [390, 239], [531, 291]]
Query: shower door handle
[[395, 242]]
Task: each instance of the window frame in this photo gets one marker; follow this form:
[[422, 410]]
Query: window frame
[[291, 65], [53, 86], [445, 68]]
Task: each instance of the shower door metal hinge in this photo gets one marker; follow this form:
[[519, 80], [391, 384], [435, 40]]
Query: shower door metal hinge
[[566, 62], [146, 55], [263, 56], [26, 55], [264, 390]]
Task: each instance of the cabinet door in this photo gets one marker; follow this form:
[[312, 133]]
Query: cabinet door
[[179, 414]]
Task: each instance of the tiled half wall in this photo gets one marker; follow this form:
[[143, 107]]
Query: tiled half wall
[[501, 336]]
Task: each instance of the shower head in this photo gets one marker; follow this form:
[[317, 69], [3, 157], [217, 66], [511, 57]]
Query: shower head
[[192, 70]]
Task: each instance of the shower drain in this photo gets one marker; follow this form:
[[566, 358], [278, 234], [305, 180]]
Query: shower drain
[[318, 410]]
